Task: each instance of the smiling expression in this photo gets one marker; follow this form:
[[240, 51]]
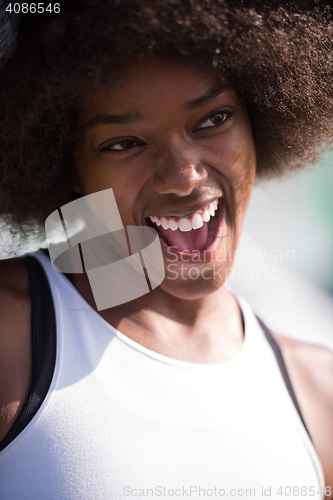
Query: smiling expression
[[176, 146]]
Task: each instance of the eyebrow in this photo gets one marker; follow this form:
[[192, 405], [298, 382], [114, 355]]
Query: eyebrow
[[103, 119], [129, 118], [207, 96]]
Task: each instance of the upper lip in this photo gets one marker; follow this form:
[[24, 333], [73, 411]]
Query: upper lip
[[183, 211]]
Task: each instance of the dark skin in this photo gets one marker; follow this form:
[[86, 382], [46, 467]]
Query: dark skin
[[173, 166], [169, 158]]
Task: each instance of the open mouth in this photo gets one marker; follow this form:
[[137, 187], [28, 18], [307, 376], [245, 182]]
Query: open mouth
[[193, 233]]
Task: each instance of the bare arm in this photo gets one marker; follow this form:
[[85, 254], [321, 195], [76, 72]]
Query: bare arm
[[15, 341]]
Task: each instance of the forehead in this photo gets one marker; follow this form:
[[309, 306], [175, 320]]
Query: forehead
[[151, 84]]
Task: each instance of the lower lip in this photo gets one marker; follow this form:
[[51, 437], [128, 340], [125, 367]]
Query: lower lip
[[209, 253]]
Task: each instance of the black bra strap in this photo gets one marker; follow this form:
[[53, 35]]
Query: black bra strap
[[43, 337], [283, 369], [70, 277]]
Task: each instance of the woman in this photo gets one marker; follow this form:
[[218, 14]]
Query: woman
[[182, 391]]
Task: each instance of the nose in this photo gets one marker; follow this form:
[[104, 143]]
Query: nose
[[179, 170]]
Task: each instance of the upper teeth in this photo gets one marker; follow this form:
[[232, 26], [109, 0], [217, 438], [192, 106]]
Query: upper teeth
[[192, 221]]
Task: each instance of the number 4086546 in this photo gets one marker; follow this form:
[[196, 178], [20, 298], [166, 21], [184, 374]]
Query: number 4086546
[[303, 491], [33, 8]]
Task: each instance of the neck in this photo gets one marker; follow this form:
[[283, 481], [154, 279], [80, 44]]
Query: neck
[[205, 330]]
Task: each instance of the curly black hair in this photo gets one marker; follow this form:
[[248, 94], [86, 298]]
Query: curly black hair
[[278, 57]]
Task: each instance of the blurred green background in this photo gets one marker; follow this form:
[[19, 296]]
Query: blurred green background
[[296, 212], [291, 217]]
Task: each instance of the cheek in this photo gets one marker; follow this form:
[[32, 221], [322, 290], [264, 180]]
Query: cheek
[[233, 152], [233, 156], [92, 177], [95, 173], [243, 181]]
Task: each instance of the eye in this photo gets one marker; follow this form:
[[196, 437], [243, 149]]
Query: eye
[[214, 120], [121, 145]]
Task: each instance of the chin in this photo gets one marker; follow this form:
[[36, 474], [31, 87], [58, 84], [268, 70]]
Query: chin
[[194, 282]]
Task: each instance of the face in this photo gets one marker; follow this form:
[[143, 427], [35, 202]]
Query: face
[[175, 145]]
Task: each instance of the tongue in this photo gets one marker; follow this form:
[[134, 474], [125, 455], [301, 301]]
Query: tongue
[[196, 239]]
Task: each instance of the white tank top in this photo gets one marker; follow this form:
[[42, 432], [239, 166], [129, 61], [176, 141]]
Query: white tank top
[[121, 421]]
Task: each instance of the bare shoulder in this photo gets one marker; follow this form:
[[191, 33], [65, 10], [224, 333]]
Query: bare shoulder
[[14, 275], [15, 340], [310, 368], [312, 363], [14, 294]]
